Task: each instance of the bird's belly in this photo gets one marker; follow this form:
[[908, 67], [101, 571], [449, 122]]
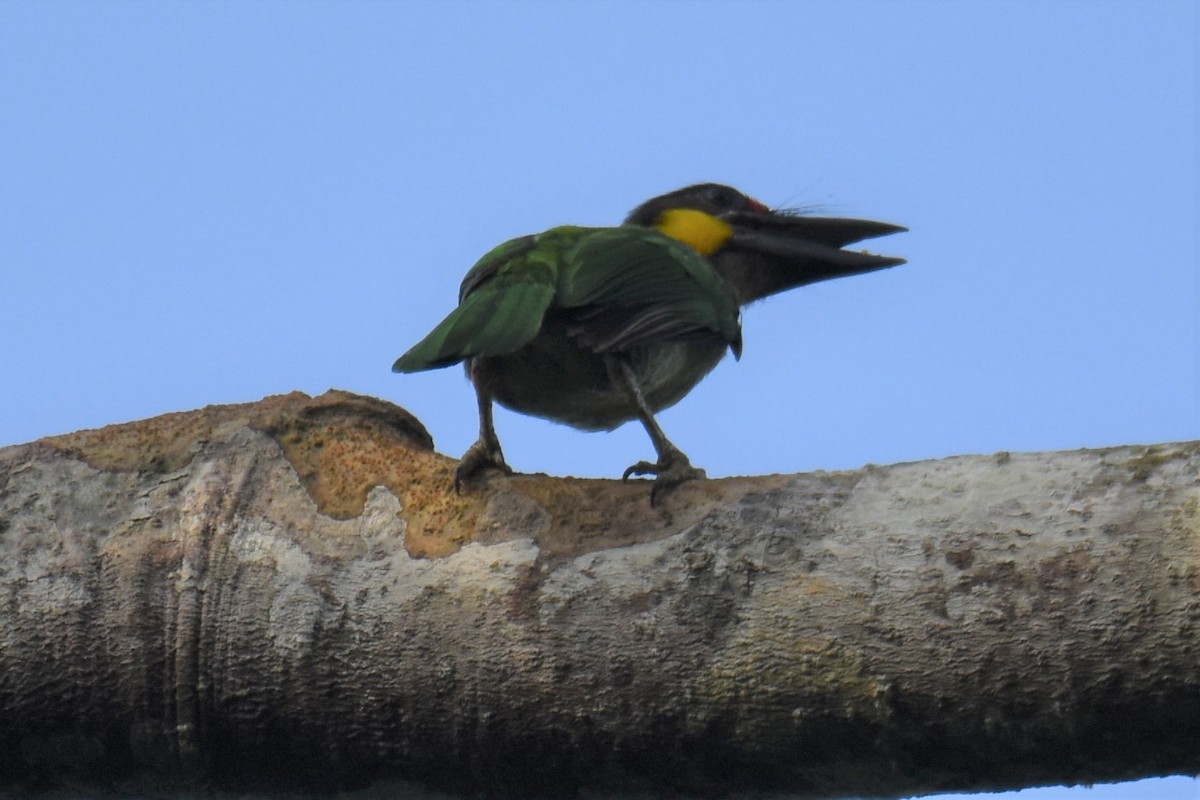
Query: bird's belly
[[560, 381]]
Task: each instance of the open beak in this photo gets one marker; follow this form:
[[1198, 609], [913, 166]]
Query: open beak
[[771, 252]]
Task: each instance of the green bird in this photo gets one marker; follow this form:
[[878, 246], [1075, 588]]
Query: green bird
[[593, 327]]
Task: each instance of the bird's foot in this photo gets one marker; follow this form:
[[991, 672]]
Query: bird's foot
[[481, 455], [672, 469]]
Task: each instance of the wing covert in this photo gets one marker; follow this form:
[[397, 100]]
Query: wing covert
[[632, 285]]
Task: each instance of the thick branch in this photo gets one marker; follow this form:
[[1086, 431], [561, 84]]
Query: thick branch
[[286, 594]]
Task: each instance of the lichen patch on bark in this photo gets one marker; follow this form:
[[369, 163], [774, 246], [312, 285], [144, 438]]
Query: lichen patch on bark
[[343, 445], [169, 442]]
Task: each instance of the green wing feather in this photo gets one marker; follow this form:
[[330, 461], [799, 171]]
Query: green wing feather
[[633, 285], [616, 287], [503, 300]]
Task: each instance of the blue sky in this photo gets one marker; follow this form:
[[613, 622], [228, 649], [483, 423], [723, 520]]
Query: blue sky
[[213, 202]]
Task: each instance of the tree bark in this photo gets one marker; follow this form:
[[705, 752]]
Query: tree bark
[[285, 594]]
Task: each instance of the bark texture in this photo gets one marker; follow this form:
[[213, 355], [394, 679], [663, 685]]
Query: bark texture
[[285, 594]]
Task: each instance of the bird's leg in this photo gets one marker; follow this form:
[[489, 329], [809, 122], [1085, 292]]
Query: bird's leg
[[486, 450], [673, 467]]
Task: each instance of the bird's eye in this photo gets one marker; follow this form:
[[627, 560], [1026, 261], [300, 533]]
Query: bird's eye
[[722, 197]]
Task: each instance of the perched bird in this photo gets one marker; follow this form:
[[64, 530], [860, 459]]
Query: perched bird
[[593, 327]]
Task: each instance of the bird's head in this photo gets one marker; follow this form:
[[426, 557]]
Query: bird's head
[[758, 250], [711, 198], [694, 214]]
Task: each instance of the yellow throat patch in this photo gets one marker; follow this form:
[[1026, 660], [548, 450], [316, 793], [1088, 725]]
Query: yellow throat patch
[[702, 232]]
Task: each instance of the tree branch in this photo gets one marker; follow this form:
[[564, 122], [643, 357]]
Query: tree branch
[[285, 594]]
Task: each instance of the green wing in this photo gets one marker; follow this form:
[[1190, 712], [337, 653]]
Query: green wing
[[633, 285], [502, 303], [616, 288]]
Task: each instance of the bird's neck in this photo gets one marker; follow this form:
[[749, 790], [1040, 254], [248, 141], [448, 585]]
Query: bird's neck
[[702, 232]]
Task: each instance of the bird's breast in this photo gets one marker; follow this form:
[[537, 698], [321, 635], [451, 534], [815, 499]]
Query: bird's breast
[[555, 378]]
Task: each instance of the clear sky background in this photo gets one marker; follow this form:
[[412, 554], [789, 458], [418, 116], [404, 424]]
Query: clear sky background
[[213, 202]]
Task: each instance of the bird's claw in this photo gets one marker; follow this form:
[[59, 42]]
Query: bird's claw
[[481, 455], [670, 471]]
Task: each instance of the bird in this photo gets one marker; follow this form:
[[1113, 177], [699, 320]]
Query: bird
[[594, 327]]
